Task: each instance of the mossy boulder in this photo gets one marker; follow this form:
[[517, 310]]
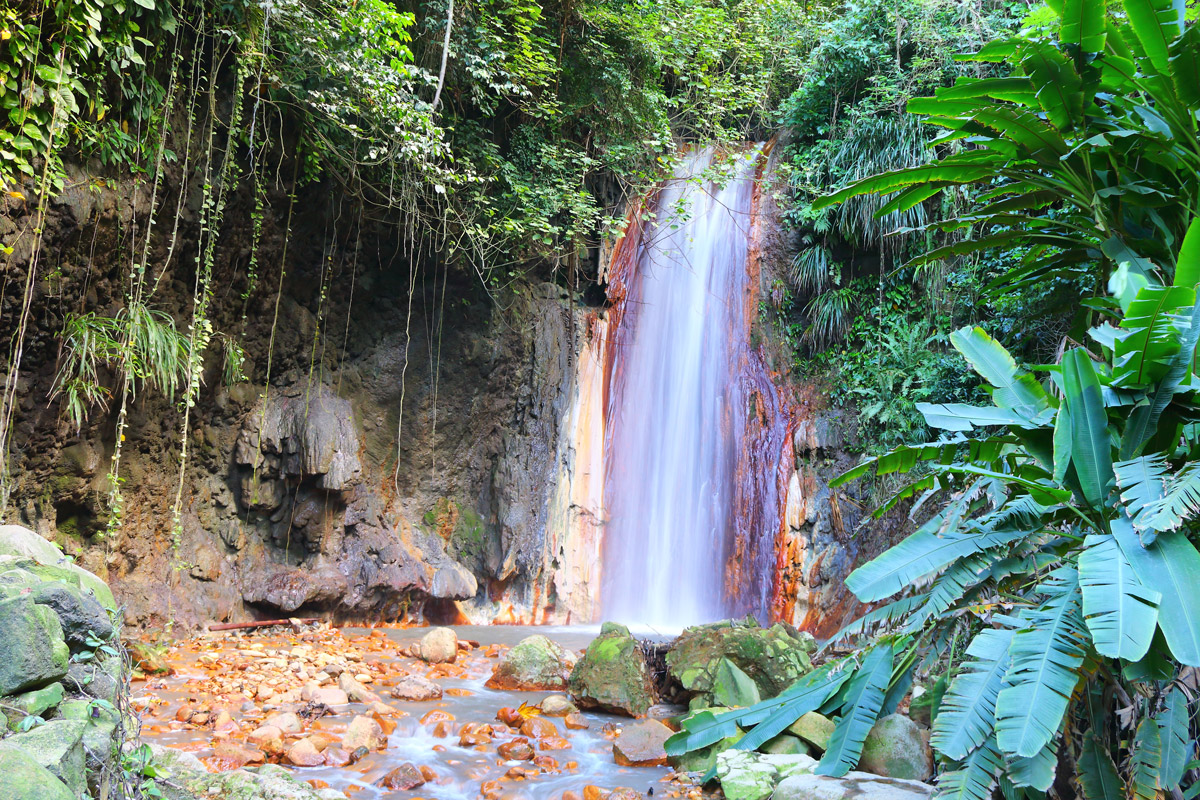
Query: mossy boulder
[[23, 548], [34, 703], [35, 651], [814, 728], [747, 775], [58, 746], [897, 747], [774, 658], [612, 674], [732, 687], [26, 779], [79, 612], [534, 663]]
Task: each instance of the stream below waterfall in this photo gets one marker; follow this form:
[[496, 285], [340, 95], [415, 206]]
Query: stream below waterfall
[[228, 672]]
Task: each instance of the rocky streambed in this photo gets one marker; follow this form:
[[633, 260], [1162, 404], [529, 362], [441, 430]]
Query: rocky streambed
[[472, 712]]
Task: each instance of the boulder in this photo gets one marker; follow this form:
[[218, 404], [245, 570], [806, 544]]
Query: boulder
[[35, 651], [100, 678], [814, 728], [26, 779], [34, 703], [852, 786], [535, 663], [753, 776], [557, 705], [642, 744], [416, 688], [305, 754], [330, 696], [612, 674], [439, 646], [354, 689], [25, 549], [733, 688], [786, 745], [81, 614], [897, 747], [774, 658], [58, 746], [364, 732]]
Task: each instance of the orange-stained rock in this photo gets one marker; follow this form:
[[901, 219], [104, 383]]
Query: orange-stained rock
[[576, 722], [415, 688], [303, 754], [474, 733], [516, 750], [593, 793], [443, 729], [236, 753], [546, 763], [435, 716], [554, 743], [642, 744], [625, 793], [364, 732], [403, 777], [569, 795], [336, 756], [510, 717], [386, 723], [427, 773], [491, 789], [538, 728], [317, 783]]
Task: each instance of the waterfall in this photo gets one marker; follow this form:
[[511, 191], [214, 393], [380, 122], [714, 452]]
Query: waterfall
[[693, 424]]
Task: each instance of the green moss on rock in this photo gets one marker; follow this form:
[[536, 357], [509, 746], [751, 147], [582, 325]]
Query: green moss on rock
[[612, 675]]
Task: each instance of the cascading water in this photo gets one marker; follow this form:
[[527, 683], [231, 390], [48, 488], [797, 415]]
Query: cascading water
[[694, 427]]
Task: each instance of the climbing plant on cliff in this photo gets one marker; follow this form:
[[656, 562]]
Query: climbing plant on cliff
[[1064, 553]]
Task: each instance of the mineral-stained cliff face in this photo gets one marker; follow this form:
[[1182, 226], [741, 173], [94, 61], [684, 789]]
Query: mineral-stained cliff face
[[400, 458], [415, 449]]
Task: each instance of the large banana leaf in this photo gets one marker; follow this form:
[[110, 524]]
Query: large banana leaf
[[1097, 773], [1150, 335], [707, 728], [1155, 23], [968, 712], [864, 699], [1090, 453], [1014, 388], [949, 173], [1035, 772], [923, 552], [963, 417], [902, 459], [1046, 655], [1174, 738], [1179, 503], [1185, 73], [1059, 87], [974, 778], [1143, 483], [1146, 762], [1119, 610], [1187, 264], [1171, 565], [1083, 25], [1143, 422]]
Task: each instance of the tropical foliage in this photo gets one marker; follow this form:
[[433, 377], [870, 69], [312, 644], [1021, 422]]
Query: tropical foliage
[[1060, 579]]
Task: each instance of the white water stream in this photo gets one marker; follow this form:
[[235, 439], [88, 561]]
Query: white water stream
[[677, 402]]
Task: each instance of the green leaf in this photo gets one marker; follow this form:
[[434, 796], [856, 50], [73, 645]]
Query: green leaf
[[864, 698], [1146, 762], [1172, 566], [925, 551], [1155, 23], [960, 417], [1151, 338], [1173, 732], [974, 778], [1059, 87], [1143, 484], [967, 716], [1185, 74], [1014, 388], [1036, 771], [1062, 444], [1119, 610], [1187, 264], [1046, 654], [1097, 773], [807, 695], [1143, 423], [1083, 25], [899, 179], [1090, 453]]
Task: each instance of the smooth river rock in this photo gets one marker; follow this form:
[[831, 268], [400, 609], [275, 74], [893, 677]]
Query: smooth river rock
[[897, 747], [853, 786], [642, 744], [439, 646], [534, 663]]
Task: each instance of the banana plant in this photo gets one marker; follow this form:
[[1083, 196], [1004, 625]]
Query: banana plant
[[1063, 552]]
